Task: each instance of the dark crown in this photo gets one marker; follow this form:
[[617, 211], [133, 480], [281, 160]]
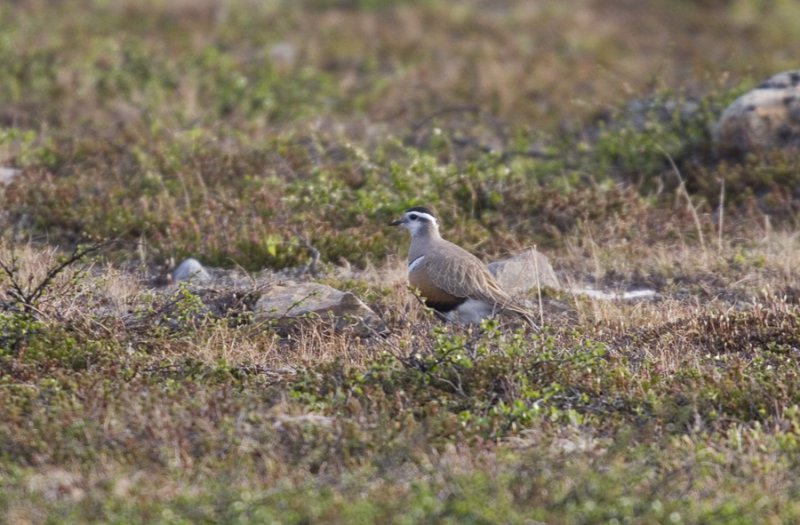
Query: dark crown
[[421, 209]]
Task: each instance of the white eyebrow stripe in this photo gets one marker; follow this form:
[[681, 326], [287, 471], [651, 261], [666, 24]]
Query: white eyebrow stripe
[[424, 215], [416, 262]]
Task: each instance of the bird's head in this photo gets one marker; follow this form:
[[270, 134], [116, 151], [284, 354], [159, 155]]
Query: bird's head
[[417, 220]]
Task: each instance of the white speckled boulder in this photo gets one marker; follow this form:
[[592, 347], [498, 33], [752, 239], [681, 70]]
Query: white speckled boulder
[[768, 117]]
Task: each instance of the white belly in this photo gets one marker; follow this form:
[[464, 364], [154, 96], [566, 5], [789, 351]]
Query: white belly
[[472, 311]]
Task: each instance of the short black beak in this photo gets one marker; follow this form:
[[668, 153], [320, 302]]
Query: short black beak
[[398, 222]]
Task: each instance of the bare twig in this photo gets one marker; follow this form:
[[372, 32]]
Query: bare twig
[[721, 212], [689, 204], [298, 303], [538, 286], [313, 252], [27, 296]]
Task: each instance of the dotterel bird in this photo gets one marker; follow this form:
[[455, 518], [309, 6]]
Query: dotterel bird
[[451, 280]]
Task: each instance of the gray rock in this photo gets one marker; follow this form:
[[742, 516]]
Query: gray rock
[[7, 175], [190, 271], [284, 53], [524, 272], [290, 301], [764, 118]]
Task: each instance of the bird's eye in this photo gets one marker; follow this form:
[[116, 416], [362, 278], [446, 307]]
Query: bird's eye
[[413, 217]]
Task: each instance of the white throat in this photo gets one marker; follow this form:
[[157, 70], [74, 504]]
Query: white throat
[[422, 229]]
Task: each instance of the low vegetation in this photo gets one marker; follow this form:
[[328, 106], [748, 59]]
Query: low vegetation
[[243, 133]]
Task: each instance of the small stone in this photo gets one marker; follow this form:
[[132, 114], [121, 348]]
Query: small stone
[[767, 117], [290, 301], [190, 271], [524, 272], [7, 175], [283, 53]]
